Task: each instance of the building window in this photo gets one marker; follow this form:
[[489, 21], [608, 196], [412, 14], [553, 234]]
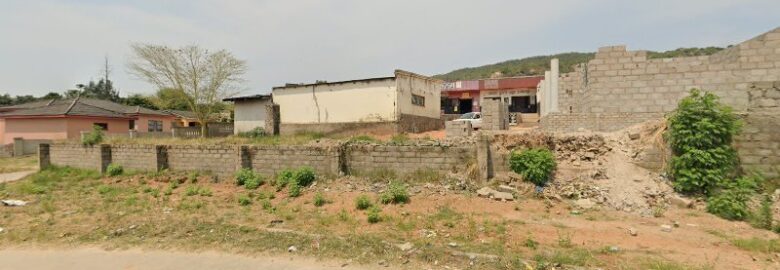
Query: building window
[[103, 126], [131, 126], [418, 100], [155, 126]]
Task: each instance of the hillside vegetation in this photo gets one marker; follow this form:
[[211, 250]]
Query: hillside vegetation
[[536, 65]]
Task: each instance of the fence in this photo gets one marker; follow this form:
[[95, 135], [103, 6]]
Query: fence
[[214, 130]]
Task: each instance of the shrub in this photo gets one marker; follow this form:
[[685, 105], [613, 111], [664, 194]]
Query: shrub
[[700, 134], [114, 169], [196, 190], [254, 133], [362, 202], [283, 178], [242, 175], [294, 190], [304, 176], [374, 214], [319, 200], [244, 200], [535, 165], [93, 137], [764, 218], [395, 193], [731, 201]]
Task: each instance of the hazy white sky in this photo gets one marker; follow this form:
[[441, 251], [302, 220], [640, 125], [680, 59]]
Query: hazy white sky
[[48, 45]]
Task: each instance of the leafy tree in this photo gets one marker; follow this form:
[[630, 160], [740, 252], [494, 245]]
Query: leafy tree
[[72, 93], [205, 77], [6, 99], [103, 89], [52, 95], [140, 100], [700, 134], [24, 99], [171, 99]]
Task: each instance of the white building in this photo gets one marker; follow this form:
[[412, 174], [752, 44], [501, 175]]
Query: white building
[[251, 112]]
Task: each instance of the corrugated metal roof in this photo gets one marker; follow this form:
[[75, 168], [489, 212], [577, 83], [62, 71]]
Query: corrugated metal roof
[[79, 107]]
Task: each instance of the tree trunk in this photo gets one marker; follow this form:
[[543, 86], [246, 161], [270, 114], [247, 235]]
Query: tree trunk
[[204, 130]]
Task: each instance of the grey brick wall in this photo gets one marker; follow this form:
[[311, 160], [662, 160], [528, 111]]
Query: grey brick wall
[[222, 161], [76, 155], [407, 159], [269, 160], [135, 157]]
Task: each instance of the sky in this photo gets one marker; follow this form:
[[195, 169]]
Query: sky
[[48, 45]]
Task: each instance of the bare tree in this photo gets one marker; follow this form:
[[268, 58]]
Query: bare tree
[[205, 78]]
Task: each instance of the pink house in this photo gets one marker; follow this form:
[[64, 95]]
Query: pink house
[[67, 118]]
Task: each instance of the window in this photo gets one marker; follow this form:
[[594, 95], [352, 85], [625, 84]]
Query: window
[[103, 126], [418, 100], [131, 126], [155, 126]]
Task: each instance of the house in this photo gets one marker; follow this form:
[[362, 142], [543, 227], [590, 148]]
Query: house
[[461, 97], [405, 102], [183, 118], [252, 112], [60, 119]]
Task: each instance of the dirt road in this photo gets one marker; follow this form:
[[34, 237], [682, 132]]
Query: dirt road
[[94, 258]]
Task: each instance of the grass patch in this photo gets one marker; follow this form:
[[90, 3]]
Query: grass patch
[[17, 164], [575, 257], [757, 245]]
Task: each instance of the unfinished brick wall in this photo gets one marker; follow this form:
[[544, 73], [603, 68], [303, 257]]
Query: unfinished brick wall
[[759, 142], [135, 157], [495, 114], [407, 159], [78, 156], [222, 161], [458, 128], [622, 88], [269, 160]]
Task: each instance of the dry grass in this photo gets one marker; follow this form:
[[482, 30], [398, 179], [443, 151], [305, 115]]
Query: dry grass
[[18, 164]]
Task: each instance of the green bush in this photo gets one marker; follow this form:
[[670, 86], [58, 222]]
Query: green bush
[[114, 169], [294, 190], [93, 137], [535, 165], [700, 134], [374, 214], [283, 178], [319, 200], [304, 176], [254, 133], [764, 218], [731, 201], [362, 202], [244, 200], [242, 175], [396, 193]]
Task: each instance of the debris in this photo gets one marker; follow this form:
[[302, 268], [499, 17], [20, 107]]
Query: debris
[[614, 249], [405, 246], [452, 244], [485, 192], [680, 201], [633, 232], [277, 221], [292, 249], [508, 189], [383, 263], [14, 203], [1, 229], [503, 196], [633, 135], [584, 204], [666, 228]]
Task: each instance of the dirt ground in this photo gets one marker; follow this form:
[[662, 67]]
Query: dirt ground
[[99, 259]]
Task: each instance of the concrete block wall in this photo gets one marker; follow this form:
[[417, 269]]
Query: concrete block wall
[[222, 161], [495, 114], [407, 159], [759, 142], [458, 128], [76, 155], [269, 160], [625, 82], [135, 157]]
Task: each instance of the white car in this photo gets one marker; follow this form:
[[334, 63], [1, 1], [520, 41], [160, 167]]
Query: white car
[[474, 117]]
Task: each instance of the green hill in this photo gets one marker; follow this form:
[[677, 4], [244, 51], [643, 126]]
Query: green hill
[[536, 65]]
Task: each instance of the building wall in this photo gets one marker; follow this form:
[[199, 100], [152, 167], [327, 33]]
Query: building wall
[[360, 101], [409, 84], [142, 123], [2, 132], [250, 114], [74, 126], [35, 129]]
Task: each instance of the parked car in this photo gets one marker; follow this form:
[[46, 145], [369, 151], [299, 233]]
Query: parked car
[[474, 117]]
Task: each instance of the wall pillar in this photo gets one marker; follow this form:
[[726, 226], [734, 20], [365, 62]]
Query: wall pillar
[[484, 159], [272, 119], [105, 157], [44, 156], [18, 147], [161, 151], [244, 157], [554, 74]]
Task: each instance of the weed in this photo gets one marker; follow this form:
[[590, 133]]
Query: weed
[[344, 215], [396, 193], [193, 177], [363, 138], [107, 190], [267, 206], [294, 190], [319, 200], [531, 243], [114, 169], [757, 245], [362, 202], [244, 200], [93, 137], [535, 165], [244, 175], [197, 190], [400, 139], [374, 214], [577, 257], [564, 240], [425, 176], [658, 211], [763, 219]]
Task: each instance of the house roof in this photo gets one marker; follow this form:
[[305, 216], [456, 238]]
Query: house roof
[[182, 114], [76, 107], [252, 97]]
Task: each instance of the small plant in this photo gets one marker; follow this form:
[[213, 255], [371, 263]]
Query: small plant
[[400, 139], [362, 202], [244, 200], [114, 169], [283, 178], [294, 190], [194, 177], [267, 206], [764, 218], [363, 138], [374, 214], [243, 175], [319, 200], [658, 211], [344, 215], [304, 176], [564, 240], [731, 200], [254, 183], [93, 137], [396, 193], [531, 243], [197, 190], [535, 165], [254, 133]]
